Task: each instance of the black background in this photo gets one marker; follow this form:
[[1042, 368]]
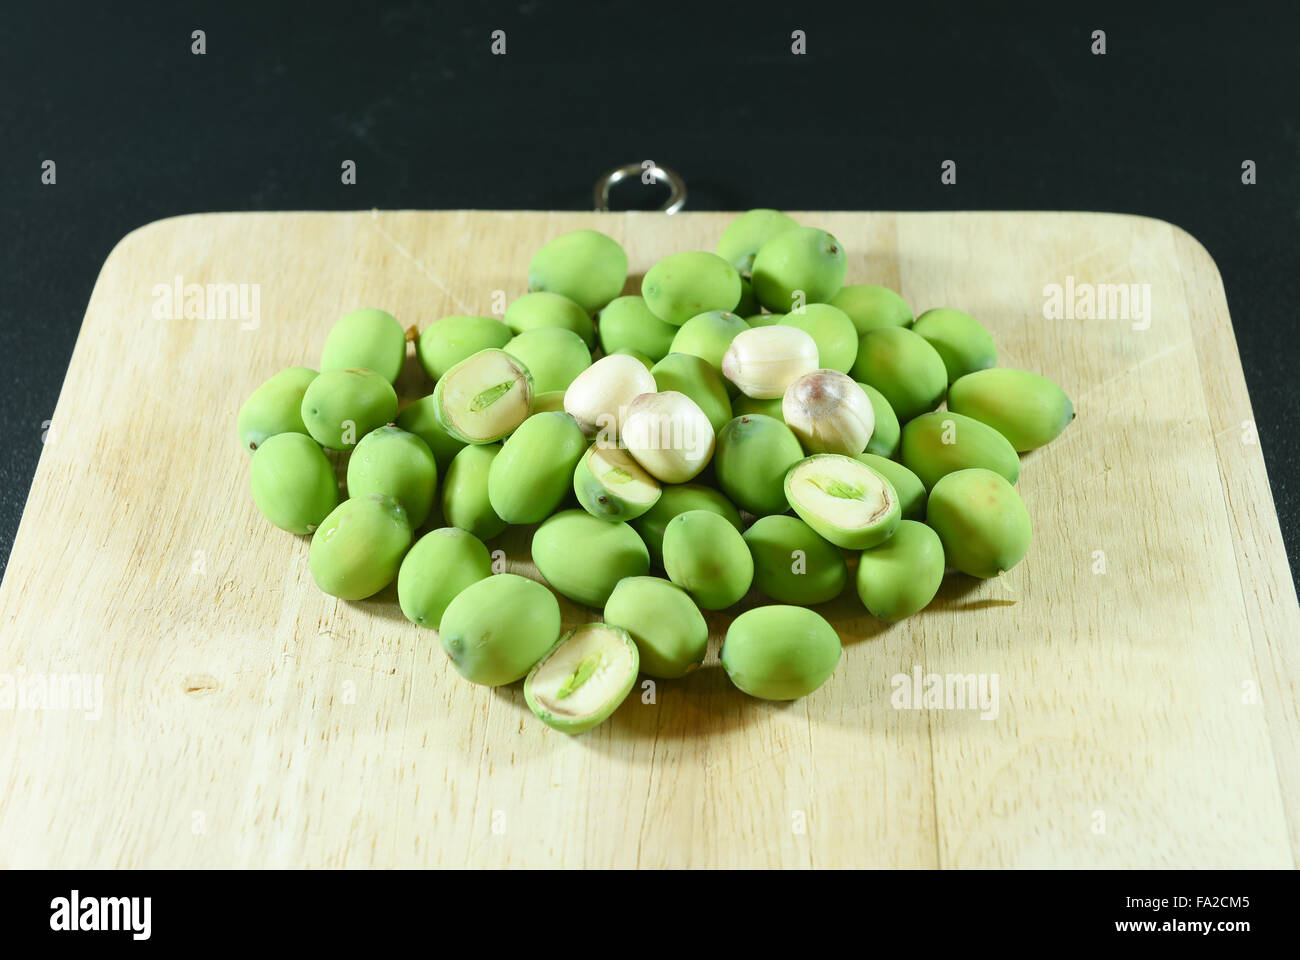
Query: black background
[[140, 129]]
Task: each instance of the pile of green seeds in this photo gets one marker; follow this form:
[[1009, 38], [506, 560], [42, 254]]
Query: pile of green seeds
[[748, 420]]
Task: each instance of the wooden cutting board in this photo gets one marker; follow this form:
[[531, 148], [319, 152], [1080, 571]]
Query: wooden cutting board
[[1145, 652]]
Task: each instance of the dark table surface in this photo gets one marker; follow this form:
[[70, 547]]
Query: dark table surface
[[140, 128]]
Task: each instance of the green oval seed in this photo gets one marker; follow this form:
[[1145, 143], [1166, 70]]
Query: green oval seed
[[780, 652], [904, 367], [369, 339], [543, 309], [442, 563], [708, 335], [532, 475], [792, 564], [583, 678], [693, 376], [552, 355], [908, 486], [833, 332], [960, 340], [390, 460], [628, 324], [293, 482], [357, 549], [887, 433], [685, 285], [746, 234], [611, 485], [751, 460], [901, 576], [708, 558], [340, 407], [421, 418], [496, 629], [450, 340], [274, 407], [668, 629], [465, 501], [939, 443], [799, 266], [981, 520], [586, 266], [1028, 409], [584, 558], [677, 499], [844, 500], [870, 307]]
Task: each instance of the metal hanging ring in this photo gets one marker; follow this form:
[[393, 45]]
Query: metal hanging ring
[[658, 174]]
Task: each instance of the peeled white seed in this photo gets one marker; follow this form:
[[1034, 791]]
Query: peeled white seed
[[669, 435], [598, 398], [829, 413], [763, 361]]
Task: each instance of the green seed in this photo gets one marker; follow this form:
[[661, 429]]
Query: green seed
[[583, 678], [442, 563], [446, 343], [844, 500], [693, 376], [628, 324], [685, 285], [708, 336], [746, 234], [792, 564], [675, 500], [981, 520], [390, 460], [293, 482], [370, 339], [611, 485], [358, 548], [484, 398], [543, 309], [340, 407], [908, 486], [552, 355], [420, 418], [797, 267], [496, 629], [274, 407], [465, 501], [637, 355], [586, 266], [708, 558], [668, 629], [780, 652], [960, 340], [904, 367], [532, 475], [833, 332], [871, 307], [901, 576], [751, 460], [584, 558], [885, 437], [1028, 409], [939, 443]]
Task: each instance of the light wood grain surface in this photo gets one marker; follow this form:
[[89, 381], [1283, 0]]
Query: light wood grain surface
[[1147, 711]]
